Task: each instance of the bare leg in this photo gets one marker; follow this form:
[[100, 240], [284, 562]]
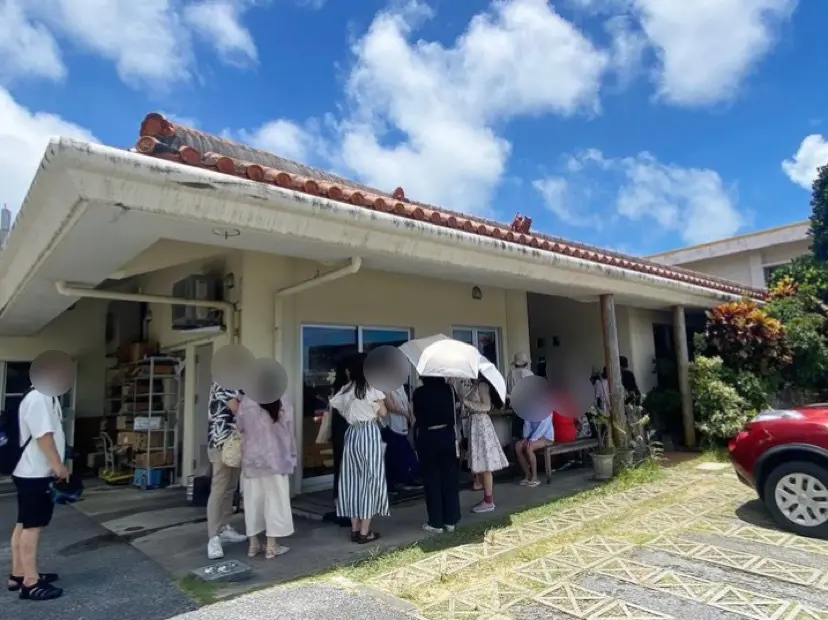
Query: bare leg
[[356, 525], [533, 460], [476, 484], [254, 546], [365, 527], [17, 564], [521, 457], [488, 484], [27, 548]]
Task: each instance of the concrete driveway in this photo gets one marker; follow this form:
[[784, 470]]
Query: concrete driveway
[[105, 578]]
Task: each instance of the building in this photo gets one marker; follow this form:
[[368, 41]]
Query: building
[[748, 259], [309, 266]]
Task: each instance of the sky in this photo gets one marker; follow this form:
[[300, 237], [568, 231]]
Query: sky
[[636, 125]]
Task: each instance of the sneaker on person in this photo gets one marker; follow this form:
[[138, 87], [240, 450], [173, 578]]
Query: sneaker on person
[[432, 530], [533, 483], [524, 482], [214, 549], [483, 507], [449, 528], [229, 535]]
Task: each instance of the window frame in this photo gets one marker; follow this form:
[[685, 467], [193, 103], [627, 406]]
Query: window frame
[[475, 331]]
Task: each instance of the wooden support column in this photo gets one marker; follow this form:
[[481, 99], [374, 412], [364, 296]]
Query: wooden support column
[[612, 359], [683, 367]]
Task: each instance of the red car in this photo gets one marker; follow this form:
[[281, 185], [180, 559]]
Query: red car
[[783, 454]]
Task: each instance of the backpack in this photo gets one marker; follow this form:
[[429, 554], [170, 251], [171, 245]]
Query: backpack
[[10, 449]]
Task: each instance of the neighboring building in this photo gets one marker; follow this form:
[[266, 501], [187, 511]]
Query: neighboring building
[[306, 267], [748, 259], [5, 224]]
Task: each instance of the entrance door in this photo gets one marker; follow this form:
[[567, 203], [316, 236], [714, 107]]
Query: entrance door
[[324, 347]]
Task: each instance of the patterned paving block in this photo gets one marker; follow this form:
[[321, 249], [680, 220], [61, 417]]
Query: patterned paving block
[[402, 579], [484, 550], [546, 571], [649, 526], [787, 571], [749, 604], [799, 612], [453, 608], [627, 570], [684, 586], [714, 525], [579, 556], [676, 546], [622, 610], [726, 557], [495, 595], [808, 545], [514, 536], [762, 535], [605, 545], [445, 563], [555, 524], [571, 599]]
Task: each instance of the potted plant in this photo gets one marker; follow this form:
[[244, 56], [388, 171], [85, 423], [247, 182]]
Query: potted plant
[[602, 460]]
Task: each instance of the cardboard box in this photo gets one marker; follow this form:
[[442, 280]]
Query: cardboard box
[[140, 440], [154, 459], [123, 423]]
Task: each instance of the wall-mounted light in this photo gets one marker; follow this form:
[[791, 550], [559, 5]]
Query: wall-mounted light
[[477, 293]]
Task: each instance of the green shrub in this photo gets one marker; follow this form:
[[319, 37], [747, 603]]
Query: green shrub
[[719, 408]]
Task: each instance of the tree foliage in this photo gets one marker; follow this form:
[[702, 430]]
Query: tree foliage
[[819, 215], [721, 411]]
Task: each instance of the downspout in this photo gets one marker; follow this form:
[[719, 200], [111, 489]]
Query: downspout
[[64, 288], [351, 268]]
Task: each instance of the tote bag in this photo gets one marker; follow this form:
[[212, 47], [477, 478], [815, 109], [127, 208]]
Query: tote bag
[[231, 450]]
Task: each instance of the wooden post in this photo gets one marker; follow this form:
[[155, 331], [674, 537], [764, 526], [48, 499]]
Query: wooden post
[[612, 359], [683, 366]]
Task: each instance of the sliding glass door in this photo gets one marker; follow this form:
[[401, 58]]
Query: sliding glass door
[[324, 347]]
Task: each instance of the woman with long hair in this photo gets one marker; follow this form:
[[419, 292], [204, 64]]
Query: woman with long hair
[[363, 492], [485, 452], [268, 460]]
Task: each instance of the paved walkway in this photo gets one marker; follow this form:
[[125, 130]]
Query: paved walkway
[[695, 546]]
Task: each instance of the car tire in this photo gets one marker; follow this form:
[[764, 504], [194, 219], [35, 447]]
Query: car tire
[[796, 471]]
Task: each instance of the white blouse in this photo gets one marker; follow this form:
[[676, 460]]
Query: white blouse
[[357, 410]]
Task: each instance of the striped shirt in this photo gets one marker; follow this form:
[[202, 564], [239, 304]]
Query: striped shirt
[[221, 423]]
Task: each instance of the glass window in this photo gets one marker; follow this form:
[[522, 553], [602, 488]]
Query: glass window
[[373, 337], [769, 271], [17, 377], [485, 339]]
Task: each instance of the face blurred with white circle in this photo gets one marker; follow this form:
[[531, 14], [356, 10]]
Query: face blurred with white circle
[[52, 373]]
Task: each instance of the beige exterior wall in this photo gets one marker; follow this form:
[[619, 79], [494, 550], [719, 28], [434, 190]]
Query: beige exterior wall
[[79, 333], [748, 267]]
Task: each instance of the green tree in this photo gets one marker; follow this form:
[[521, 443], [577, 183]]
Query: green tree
[[819, 216]]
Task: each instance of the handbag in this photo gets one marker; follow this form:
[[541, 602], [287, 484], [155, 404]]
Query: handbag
[[325, 428], [231, 450]]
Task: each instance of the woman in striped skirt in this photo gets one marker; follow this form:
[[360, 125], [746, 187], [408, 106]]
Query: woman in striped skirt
[[363, 492]]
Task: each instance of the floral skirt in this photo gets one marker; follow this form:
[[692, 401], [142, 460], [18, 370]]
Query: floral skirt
[[485, 453]]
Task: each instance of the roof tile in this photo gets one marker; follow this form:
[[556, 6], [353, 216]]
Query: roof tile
[[164, 139]]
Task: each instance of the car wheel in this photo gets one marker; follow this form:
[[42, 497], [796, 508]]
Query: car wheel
[[796, 494]]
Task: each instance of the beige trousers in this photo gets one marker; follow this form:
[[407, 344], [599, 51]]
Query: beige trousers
[[222, 488]]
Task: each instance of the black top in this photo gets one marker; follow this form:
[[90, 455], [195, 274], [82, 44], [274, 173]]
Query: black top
[[433, 405], [628, 381]]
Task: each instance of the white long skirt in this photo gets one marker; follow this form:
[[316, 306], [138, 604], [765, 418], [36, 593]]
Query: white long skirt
[[267, 506]]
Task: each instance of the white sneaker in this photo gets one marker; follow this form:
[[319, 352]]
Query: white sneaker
[[433, 530], [229, 535], [214, 548], [483, 507], [449, 528]]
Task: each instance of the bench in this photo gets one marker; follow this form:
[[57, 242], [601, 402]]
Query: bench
[[580, 445]]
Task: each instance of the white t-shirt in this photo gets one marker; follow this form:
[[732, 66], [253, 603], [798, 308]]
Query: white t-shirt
[[356, 410], [39, 415]]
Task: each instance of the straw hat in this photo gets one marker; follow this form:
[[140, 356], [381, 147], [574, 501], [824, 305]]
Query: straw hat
[[521, 359]]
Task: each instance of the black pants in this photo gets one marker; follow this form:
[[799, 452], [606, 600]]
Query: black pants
[[440, 469]]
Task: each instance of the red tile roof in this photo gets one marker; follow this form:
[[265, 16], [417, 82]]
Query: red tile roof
[[165, 139]]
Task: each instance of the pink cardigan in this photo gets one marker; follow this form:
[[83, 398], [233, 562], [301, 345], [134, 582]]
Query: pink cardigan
[[268, 448]]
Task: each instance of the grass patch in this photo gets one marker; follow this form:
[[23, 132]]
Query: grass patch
[[202, 592], [386, 561], [715, 455]]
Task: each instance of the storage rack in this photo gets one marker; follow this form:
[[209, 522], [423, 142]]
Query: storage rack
[[149, 407]]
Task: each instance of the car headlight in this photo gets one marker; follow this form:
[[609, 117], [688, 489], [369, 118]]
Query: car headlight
[[778, 414]]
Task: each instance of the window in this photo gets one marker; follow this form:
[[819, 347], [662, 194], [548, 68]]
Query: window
[[769, 270], [323, 348], [485, 339]]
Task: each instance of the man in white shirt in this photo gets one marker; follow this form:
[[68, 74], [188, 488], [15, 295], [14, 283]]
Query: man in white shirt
[[44, 450]]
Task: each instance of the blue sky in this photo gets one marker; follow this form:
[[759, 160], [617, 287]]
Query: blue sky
[[638, 125]]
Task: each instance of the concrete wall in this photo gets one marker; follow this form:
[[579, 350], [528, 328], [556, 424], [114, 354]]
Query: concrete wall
[[80, 333], [748, 267]]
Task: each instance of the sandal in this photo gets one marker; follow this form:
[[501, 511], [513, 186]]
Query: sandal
[[41, 591], [370, 537], [275, 550], [18, 581], [254, 549]]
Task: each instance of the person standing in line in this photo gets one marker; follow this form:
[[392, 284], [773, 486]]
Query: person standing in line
[[268, 459], [401, 465], [485, 452], [221, 425], [338, 428], [42, 462], [436, 440], [363, 491]]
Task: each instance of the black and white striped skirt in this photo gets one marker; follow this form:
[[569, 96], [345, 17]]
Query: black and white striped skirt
[[363, 491]]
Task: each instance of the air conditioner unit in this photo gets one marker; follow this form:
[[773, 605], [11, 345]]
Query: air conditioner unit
[[203, 288]]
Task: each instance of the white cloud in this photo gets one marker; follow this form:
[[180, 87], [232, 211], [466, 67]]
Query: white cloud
[[693, 202], [706, 48], [24, 135], [26, 47], [284, 138], [811, 154], [219, 22], [150, 42], [426, 116]]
